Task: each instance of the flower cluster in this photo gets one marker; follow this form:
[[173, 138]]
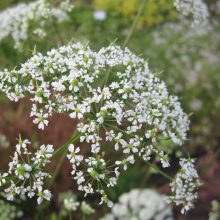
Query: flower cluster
[[9, 211], [215, 210], [116, 100], [196, 9], [184, 185], [140, 204], [86, 208], [193, 53], [70, 203], [23, 20], [25, 176]]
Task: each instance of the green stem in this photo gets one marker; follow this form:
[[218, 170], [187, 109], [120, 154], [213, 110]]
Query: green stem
[[57, 170], [84, 216], [134, 23], [70, 215], [147, 176], [62, 159], [158, 170], [66, 145], [60, 37]]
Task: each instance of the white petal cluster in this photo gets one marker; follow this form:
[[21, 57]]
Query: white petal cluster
[[23, 20], [70, 204], [69, 201], [185, 185], [140, 204], [116, 100], [25, 176], [214, 214], [196, 9], [86, 208]]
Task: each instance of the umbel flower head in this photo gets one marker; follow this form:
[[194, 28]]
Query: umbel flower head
[[185, 184], [196, 9], [116, 100], [140, 204], [23, 20], [25, 177]]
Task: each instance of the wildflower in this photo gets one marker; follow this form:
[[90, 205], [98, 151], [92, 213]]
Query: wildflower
[[41, 120], [131, 113], [28, 168], [99, 15], [17, 21], [131, 146], [22, 145], [45, 152], [70, 204], [73, 157], [66, 5], [43, 194], [3, 178], [143, 204], [214, 214], [184, 185], [195, 8], [86, 208]]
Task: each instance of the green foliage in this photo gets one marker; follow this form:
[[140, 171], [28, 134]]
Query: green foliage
[[155, 12]]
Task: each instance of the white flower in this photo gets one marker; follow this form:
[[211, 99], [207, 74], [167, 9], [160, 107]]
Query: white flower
[[131, 146], [17, 21], [22, 145], [73, 156], [41, 120], [140, 204], [70, 204], [86, 208], [130, 114], [195, 8], [26, 169], [45, 194], [45, 152], [184, 185], [99, 15], [79, 177], [126, 161], [3, 178]]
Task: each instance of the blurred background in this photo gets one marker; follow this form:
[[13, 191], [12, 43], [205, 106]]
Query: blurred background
[[186, 58]]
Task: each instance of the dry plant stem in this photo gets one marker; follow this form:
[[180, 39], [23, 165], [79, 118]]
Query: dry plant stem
[[132, 29]]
